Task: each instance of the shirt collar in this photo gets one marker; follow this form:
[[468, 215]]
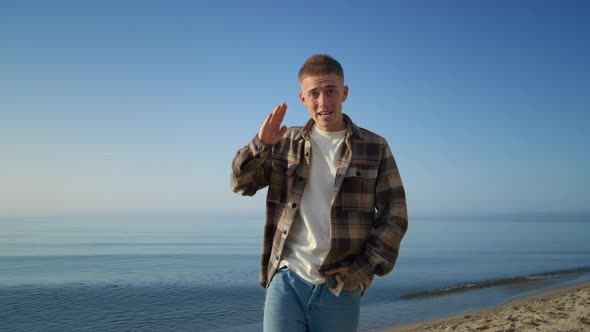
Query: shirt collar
[[352, 129]]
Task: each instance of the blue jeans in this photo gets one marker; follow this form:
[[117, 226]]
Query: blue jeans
[[295, 305]]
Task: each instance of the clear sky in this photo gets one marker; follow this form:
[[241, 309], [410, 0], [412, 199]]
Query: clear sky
[[139, 106]]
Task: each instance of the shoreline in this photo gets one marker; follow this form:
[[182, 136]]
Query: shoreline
[[487, 283], [565, 308]]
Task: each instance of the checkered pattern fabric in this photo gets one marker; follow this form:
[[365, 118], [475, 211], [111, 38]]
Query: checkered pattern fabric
[[368, 215]]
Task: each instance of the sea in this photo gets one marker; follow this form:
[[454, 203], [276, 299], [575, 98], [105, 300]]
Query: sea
[[200, 273]]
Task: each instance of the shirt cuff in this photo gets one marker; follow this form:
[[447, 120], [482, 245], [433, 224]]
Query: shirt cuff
[[258, 148], [361, 268]]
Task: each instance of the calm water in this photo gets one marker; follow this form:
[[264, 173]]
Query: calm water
[[200, 273]]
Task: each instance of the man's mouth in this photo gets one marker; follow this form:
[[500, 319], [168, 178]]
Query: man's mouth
[[324, 113]]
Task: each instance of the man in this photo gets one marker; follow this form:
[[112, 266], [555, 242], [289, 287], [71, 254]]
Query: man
[[335, 207]]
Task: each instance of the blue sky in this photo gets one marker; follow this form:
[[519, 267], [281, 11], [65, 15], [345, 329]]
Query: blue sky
[[116, 107]]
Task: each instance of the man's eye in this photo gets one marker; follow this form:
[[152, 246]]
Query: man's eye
[[331, 92]]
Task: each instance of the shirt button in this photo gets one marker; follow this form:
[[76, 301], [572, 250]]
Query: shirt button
[[294, 205], [277, 257], [284, 231], [307, 154], [358, 173]]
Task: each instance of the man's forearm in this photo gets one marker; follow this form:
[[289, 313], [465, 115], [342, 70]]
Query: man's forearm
[[390, 224], [382, 246], [250, 168]]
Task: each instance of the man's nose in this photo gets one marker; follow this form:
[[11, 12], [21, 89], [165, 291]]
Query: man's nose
[[322, 99]]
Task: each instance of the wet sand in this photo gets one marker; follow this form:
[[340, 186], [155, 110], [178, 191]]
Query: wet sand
[[562, 309]]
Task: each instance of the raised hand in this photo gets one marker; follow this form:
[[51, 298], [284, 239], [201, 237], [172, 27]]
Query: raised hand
[[271, 131]]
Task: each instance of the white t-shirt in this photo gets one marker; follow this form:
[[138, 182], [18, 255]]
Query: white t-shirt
[[309, 240]]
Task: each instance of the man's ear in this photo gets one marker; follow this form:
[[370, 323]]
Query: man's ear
[[302, 98], [345, 93]]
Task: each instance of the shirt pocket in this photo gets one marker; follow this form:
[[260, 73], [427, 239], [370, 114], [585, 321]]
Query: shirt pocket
[[358, 189], [281, 178], [284, 167]]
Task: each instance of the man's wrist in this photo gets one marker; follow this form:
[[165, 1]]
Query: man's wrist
[[259, 144]]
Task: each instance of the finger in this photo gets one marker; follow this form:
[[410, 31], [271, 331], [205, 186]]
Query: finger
[[281, 113], [267, 120], [278, 115], [270, 116], [277, 110], [283, 106]]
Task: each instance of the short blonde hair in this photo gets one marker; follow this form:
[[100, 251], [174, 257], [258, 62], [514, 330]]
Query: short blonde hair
[[320, 64]]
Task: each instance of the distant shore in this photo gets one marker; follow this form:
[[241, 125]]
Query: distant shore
[[562, 309]]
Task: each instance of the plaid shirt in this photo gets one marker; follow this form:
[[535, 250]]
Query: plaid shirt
[[368, 216]]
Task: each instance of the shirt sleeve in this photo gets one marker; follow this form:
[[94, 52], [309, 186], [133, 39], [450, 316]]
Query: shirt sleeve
[[390, 224], [251, 168]]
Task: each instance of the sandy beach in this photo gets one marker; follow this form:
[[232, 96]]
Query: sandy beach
[[561, 309]]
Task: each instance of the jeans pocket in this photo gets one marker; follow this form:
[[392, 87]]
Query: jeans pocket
[[351, 292]]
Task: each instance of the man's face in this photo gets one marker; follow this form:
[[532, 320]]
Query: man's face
[[323, 95]]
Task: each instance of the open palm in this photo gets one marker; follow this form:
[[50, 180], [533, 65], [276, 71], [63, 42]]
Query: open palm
[[271, 130]]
